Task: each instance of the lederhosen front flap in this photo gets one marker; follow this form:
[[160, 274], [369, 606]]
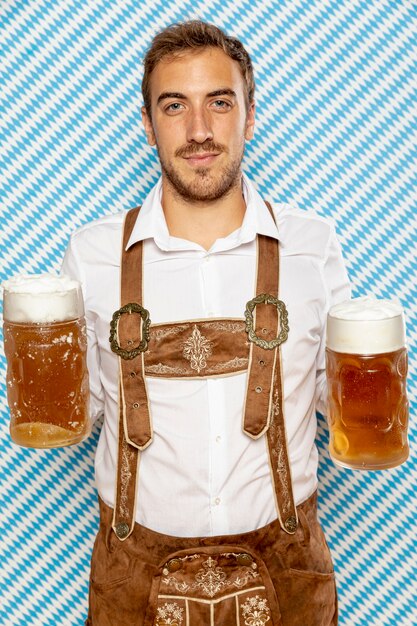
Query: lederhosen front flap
[[200, 348]]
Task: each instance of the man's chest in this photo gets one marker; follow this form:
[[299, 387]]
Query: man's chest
[[195, 285]]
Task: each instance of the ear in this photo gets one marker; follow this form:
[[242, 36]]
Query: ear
[[150, 135], [250, 122]]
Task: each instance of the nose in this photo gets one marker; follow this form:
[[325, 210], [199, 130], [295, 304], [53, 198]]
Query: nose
[[199, 126]]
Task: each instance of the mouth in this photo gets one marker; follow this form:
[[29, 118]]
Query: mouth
[[202, 159]]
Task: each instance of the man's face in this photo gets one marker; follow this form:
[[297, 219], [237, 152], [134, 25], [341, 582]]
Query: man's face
[[199, 122]]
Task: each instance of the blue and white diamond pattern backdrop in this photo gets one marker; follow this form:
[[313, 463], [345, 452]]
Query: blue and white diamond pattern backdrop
[[334, 134]]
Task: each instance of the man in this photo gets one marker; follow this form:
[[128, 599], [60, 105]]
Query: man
[[206, 463]]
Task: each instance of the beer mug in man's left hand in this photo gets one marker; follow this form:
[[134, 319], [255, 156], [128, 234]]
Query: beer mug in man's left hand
[[45, 346], [366, 373]]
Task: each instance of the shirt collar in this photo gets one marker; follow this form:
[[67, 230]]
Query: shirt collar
[[151, 222]]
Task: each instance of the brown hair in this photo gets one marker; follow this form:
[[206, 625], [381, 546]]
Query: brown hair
[[192, 35]]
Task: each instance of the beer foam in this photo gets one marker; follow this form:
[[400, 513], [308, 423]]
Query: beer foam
[[366, 325], [42, 298]]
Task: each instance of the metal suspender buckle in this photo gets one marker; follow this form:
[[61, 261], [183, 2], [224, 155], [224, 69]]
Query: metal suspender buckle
[[132, 307], [283, 319]]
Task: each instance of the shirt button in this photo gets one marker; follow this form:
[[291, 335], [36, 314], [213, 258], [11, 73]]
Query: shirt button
[[217, 501], [218, 439]]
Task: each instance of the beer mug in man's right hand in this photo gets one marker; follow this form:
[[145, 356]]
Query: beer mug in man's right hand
[[45, 345], [366, 364]]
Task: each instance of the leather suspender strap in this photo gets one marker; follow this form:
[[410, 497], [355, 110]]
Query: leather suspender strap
[[135, 428], [264, 398], [128, 459], [132, 325], [278, 458]]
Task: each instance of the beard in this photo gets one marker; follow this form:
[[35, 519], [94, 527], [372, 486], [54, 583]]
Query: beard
[[203, 185]]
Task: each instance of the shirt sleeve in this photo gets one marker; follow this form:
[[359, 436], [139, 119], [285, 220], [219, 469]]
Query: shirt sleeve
[[337, 288], [72, 267]]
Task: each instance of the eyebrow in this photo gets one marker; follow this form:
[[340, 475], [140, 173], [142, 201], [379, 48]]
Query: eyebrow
[[175, 94], [222, 92]]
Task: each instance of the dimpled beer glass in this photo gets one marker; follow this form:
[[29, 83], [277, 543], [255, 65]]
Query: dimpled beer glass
[[45, 346], [366, 364]]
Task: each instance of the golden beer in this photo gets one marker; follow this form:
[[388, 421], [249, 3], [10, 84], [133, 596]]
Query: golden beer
[[368, 406], [47, 377]]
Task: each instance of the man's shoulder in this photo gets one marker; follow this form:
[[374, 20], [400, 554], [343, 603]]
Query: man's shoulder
[[302, 229], [99, 241], [293, 215], [101, 225], [103, 233]]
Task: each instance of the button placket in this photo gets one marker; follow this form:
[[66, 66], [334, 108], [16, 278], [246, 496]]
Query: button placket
[[218, 462]]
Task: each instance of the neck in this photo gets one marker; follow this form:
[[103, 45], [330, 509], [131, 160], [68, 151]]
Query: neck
[[202, 221]]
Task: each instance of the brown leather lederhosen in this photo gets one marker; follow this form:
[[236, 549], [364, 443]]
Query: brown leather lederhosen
[[278, 575]]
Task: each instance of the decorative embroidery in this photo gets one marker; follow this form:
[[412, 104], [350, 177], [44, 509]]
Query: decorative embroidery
[[197, 349], [171, 581], [231, 366], [161, 333], [160, 368], [256, 611], [170, 614], [277, 451], [125, 478], [236, 363], [230, 327], [211, 578]]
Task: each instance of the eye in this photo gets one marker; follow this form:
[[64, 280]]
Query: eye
[[222, 104], [174, 107]]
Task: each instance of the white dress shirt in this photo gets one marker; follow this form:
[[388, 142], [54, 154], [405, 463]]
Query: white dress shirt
[[202, 475]]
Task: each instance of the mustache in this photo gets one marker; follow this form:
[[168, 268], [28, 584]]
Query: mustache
[[196, 148]]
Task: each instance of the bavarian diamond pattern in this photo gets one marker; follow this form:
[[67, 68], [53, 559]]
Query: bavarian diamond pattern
[[335, 88]]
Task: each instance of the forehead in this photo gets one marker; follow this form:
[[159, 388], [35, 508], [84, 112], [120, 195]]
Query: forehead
[[195, 72]]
